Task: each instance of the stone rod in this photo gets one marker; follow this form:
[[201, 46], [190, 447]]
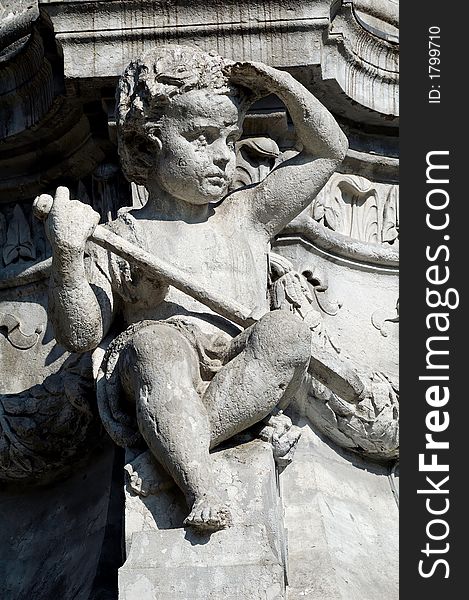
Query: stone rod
[[333, 372]]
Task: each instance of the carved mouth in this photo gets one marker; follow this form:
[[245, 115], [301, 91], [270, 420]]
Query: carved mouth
[[217, 180]]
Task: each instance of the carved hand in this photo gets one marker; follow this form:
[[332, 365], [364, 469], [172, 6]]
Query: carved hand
[[70, 223], [259, 78]]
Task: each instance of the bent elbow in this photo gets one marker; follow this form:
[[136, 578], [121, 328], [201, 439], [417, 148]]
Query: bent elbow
[[78, 343], [340, 147]]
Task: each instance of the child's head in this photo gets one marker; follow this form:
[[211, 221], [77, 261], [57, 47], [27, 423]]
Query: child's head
[[178, 119]]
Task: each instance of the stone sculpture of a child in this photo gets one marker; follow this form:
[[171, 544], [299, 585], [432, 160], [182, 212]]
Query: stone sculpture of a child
[[189, 379]]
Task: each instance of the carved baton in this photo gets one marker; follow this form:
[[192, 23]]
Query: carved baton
[[155, 266]]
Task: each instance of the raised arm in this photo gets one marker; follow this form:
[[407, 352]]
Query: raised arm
[[289, 188], [80, 295]]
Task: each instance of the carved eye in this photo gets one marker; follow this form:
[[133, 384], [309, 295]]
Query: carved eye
[[232, 139]]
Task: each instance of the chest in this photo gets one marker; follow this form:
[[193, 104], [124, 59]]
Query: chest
[[224, 257]]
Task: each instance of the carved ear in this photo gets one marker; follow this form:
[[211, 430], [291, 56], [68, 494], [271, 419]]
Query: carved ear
[[154, 137], [138, 152]]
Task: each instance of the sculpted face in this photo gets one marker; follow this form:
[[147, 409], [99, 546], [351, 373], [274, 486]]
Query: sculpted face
[[197, 159]]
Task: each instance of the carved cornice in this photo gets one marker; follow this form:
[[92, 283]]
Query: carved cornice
[[354, 57], [337, 244], [364, 66], [107, 35], [44, 134]]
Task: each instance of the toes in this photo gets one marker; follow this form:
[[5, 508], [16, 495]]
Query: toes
[[208, 518], [206, 514]]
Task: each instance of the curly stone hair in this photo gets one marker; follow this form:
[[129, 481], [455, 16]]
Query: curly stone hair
[[147, 88]]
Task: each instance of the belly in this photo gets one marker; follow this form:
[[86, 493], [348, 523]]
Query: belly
[[245, 288]]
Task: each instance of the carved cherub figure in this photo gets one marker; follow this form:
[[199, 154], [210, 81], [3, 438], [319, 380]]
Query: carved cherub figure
[[188, 377]]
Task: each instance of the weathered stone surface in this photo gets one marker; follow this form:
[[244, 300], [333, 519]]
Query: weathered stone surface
[[237, 564], [341, 519], [51, 536], [334, 267], [359, 303], [180, 112], [336, 39], [257, 35]]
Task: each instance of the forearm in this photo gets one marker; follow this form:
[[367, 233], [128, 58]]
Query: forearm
[[293, 184], [73, 306], [315, 127]]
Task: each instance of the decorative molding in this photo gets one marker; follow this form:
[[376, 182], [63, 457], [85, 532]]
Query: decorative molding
[[348, 206], [15, 335], [364, 66], [370, 427], [255, 159], [379, 17], [297, 292], [359, 209], [383, 319], [18, 245], [101, 35], [336, 244], [390, 228]]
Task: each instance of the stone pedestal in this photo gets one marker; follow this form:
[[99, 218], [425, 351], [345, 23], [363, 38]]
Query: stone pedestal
[[244, 562], [341, 516]]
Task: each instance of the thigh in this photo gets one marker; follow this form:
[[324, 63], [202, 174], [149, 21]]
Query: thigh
[[266, 372], [158, 356]]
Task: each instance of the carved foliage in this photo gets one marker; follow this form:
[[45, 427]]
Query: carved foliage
[[359, 209], [370, 427], [44, 427], [390, 229], [18, 245], [300, 293], [255, 158]]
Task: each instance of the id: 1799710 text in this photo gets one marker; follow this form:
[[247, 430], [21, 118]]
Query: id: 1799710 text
[[434, 93]]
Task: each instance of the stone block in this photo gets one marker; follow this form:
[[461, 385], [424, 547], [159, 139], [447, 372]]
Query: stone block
[[341, 516], [244, 562]]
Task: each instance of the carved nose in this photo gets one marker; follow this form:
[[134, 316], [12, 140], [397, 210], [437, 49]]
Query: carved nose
[[221, 156]]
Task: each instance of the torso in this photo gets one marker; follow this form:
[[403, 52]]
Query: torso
[[225, 254]]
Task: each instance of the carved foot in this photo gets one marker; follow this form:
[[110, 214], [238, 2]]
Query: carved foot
[[208, 515], [283, 435], [146, 477]]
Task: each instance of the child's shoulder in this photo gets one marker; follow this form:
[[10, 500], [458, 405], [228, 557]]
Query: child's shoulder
[[125, 225]]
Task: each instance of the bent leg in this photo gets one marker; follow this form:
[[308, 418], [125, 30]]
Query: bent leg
[[265, 375], [160, 373]]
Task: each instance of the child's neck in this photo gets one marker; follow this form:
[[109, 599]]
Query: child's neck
[[163, 206]]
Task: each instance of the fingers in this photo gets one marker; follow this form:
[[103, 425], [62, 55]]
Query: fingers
[[70, 223], [254, 76], [42, 206], [62, 194]]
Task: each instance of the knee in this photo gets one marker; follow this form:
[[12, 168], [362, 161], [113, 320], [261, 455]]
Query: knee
[[152, 352], [157, 340], [283, 337]]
